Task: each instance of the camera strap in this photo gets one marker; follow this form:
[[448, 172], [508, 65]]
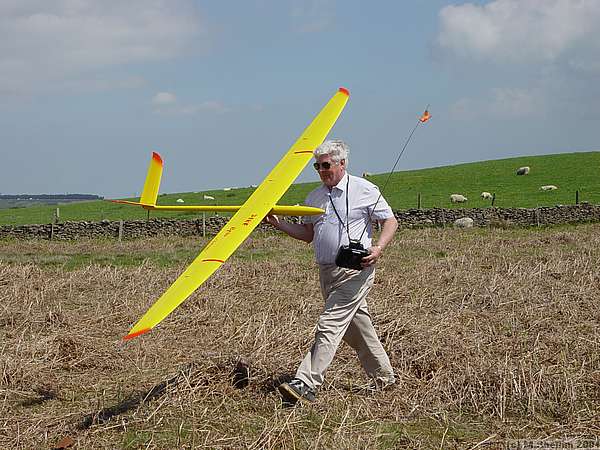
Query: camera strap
[[347, 223]]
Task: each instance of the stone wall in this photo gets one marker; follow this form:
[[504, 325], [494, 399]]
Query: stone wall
[[501, 216], [407, 218]]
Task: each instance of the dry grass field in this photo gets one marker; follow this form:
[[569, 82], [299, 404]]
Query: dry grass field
[[494, 334]]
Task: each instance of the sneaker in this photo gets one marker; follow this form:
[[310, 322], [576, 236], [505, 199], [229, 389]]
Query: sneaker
[[376, 385], [295, 391]]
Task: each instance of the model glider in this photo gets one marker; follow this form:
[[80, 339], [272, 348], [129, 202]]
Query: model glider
[[150, 195], [248, 216]]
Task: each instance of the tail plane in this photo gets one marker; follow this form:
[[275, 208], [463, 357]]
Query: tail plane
[[152, 184]]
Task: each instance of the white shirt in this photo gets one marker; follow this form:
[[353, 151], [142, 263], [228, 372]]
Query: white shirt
[[329, 233]]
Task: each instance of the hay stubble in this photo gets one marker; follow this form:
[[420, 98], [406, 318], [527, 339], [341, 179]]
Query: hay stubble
[[492, 333]]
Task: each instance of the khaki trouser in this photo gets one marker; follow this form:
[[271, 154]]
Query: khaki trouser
[[345, 317]]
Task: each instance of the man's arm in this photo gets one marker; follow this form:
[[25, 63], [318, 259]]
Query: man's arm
[[388, 228], [303, 232]]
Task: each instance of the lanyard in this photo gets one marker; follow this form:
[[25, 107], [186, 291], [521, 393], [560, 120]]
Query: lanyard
[[347, 224]]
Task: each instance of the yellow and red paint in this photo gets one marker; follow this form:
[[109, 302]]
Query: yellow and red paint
[[156, 157], [250, 219]]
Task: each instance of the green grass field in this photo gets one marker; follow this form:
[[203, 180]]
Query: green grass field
[[571, 172]]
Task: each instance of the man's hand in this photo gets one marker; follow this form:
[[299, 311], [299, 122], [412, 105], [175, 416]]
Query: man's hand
[[375, 253], [304, 232], [272, 220]]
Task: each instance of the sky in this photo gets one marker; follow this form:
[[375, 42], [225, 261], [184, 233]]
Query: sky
[[90, 88]]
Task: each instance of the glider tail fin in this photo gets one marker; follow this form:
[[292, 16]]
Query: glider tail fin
[[150, 191]]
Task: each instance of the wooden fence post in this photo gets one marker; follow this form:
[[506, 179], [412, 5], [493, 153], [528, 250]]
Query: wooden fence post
[[577, 197], [493, 198], [120, 230], [419, 200], [55, 217], [203, 224]]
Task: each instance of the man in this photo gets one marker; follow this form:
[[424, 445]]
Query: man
[[350, 204]]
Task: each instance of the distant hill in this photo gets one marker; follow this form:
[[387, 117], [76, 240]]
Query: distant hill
[[570, 172], [8, 201], [45, 197]]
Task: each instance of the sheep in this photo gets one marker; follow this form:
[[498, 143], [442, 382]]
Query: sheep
[[549, 187], [179, 200], [464, 222], [208, 197], [523, 170], [366, 174], [486, 196], [227, 189], [458, 198]]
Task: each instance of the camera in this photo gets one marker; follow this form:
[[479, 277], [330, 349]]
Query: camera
[[350, 256]]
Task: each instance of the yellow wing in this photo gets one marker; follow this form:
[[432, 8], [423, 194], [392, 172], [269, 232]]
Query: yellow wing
[[247, 218], [282, 210]]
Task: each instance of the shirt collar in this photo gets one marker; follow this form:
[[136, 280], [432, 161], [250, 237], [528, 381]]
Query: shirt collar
[[343, 183]]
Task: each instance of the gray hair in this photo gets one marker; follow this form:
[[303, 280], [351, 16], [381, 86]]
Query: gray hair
[[335, 148]]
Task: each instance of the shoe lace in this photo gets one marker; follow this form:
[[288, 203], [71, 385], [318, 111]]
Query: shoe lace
[[297, 383]]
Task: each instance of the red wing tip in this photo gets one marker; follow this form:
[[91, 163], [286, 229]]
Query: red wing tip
[[343, 90], [156, 157], [136, 334]]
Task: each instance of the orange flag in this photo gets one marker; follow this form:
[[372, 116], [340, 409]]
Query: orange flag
[[425, 117]]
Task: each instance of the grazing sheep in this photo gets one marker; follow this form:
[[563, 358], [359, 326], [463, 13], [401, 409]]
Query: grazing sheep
[[549, 187], [366, 174], [179, 200], [458, 198], [464, 222], [208, 197], [523, 170], [486, 196]]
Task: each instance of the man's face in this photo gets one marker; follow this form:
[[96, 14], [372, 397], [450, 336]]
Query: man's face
[[332, 176]]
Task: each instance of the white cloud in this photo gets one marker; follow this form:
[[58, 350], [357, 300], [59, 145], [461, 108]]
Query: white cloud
[[513, 102], [214, 106], [500, 103], [164, 98], [44, 43], [166, 103], [537, 57], [524, 31], [312, 16]]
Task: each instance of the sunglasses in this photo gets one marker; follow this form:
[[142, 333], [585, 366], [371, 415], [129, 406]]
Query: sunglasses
[[325, 165]]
